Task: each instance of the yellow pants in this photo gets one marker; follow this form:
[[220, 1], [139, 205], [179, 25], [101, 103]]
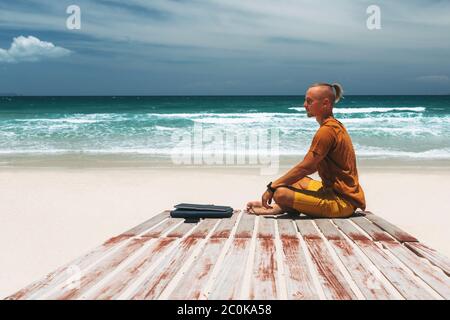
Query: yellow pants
[[317, 201]]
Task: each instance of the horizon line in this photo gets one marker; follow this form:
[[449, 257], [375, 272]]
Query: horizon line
[[11, 95]]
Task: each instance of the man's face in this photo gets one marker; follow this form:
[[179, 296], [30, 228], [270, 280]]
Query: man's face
[[312, 104]]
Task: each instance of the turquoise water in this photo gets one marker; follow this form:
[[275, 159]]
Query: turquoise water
[[381, 127]]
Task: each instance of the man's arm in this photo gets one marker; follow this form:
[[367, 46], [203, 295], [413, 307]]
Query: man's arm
[[306, 167], [320, 146]]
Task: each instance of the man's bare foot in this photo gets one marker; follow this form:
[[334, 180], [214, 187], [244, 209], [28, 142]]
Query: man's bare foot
[[255, 207], [253, 204]]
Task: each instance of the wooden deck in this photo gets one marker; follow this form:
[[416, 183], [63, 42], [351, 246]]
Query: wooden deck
[[248, 257]]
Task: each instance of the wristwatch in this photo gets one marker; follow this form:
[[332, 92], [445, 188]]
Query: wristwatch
[[270, 188]]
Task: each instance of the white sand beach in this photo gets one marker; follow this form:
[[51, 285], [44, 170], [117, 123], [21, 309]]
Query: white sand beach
[[50, 216]]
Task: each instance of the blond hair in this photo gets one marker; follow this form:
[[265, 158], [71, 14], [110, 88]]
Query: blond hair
[[338, 91]]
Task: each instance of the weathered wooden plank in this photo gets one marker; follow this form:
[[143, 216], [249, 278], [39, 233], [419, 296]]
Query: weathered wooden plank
[[437, 259], [225, 226], [147, 224], [263, 281], [162, 227], [286, 229], [362, 274], [392, 229], [204, 228], [162, 247], [400, 279], [307, 229], [88, 279], [299, 281], [263, 284], [114, 287], [436, 279], [245, 227], [350, 230], [195, 279], [371, 287], [157, 281], [266, 228], [332, 280], [328, 229], [228, 284], [155, 284], [372, 230], [182, 229]]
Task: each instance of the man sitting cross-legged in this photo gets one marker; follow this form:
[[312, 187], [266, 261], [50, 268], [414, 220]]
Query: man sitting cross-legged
[[332, 155]]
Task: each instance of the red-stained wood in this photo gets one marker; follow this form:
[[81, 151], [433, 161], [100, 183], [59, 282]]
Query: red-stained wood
[[370, 286], [147, 224], [435, 278], [328, 229], [333, 282], [264, 274], [436, 258], [362, 274], [263, 284], [351, 231], [246, 226], [88, 279], [196, 277], [225, 226], [402, 281], [156, 282], [161, 228], [307, 229], [204, 228], [228, 283], [230, 277], [182, 229], [372, 230], [405, 283], [266, 228], [286, 229], [163, 247], [299, 281], [119, 283], [392, 229], [330, 277]]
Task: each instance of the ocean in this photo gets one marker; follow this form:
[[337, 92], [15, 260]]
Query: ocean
[[381, 127]]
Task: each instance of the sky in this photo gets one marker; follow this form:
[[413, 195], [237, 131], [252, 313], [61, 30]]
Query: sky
[[223, 47]]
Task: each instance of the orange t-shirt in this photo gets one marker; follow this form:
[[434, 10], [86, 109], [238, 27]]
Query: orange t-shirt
[[338, 168]]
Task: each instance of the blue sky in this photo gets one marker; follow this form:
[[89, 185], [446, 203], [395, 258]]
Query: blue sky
[[223, 47]]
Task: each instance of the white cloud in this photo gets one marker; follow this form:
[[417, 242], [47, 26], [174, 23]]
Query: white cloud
[[31, 49]]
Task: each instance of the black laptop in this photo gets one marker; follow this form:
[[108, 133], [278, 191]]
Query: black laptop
[[197, 211]]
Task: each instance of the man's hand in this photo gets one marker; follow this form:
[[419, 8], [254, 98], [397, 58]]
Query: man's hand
[[267, 199]]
